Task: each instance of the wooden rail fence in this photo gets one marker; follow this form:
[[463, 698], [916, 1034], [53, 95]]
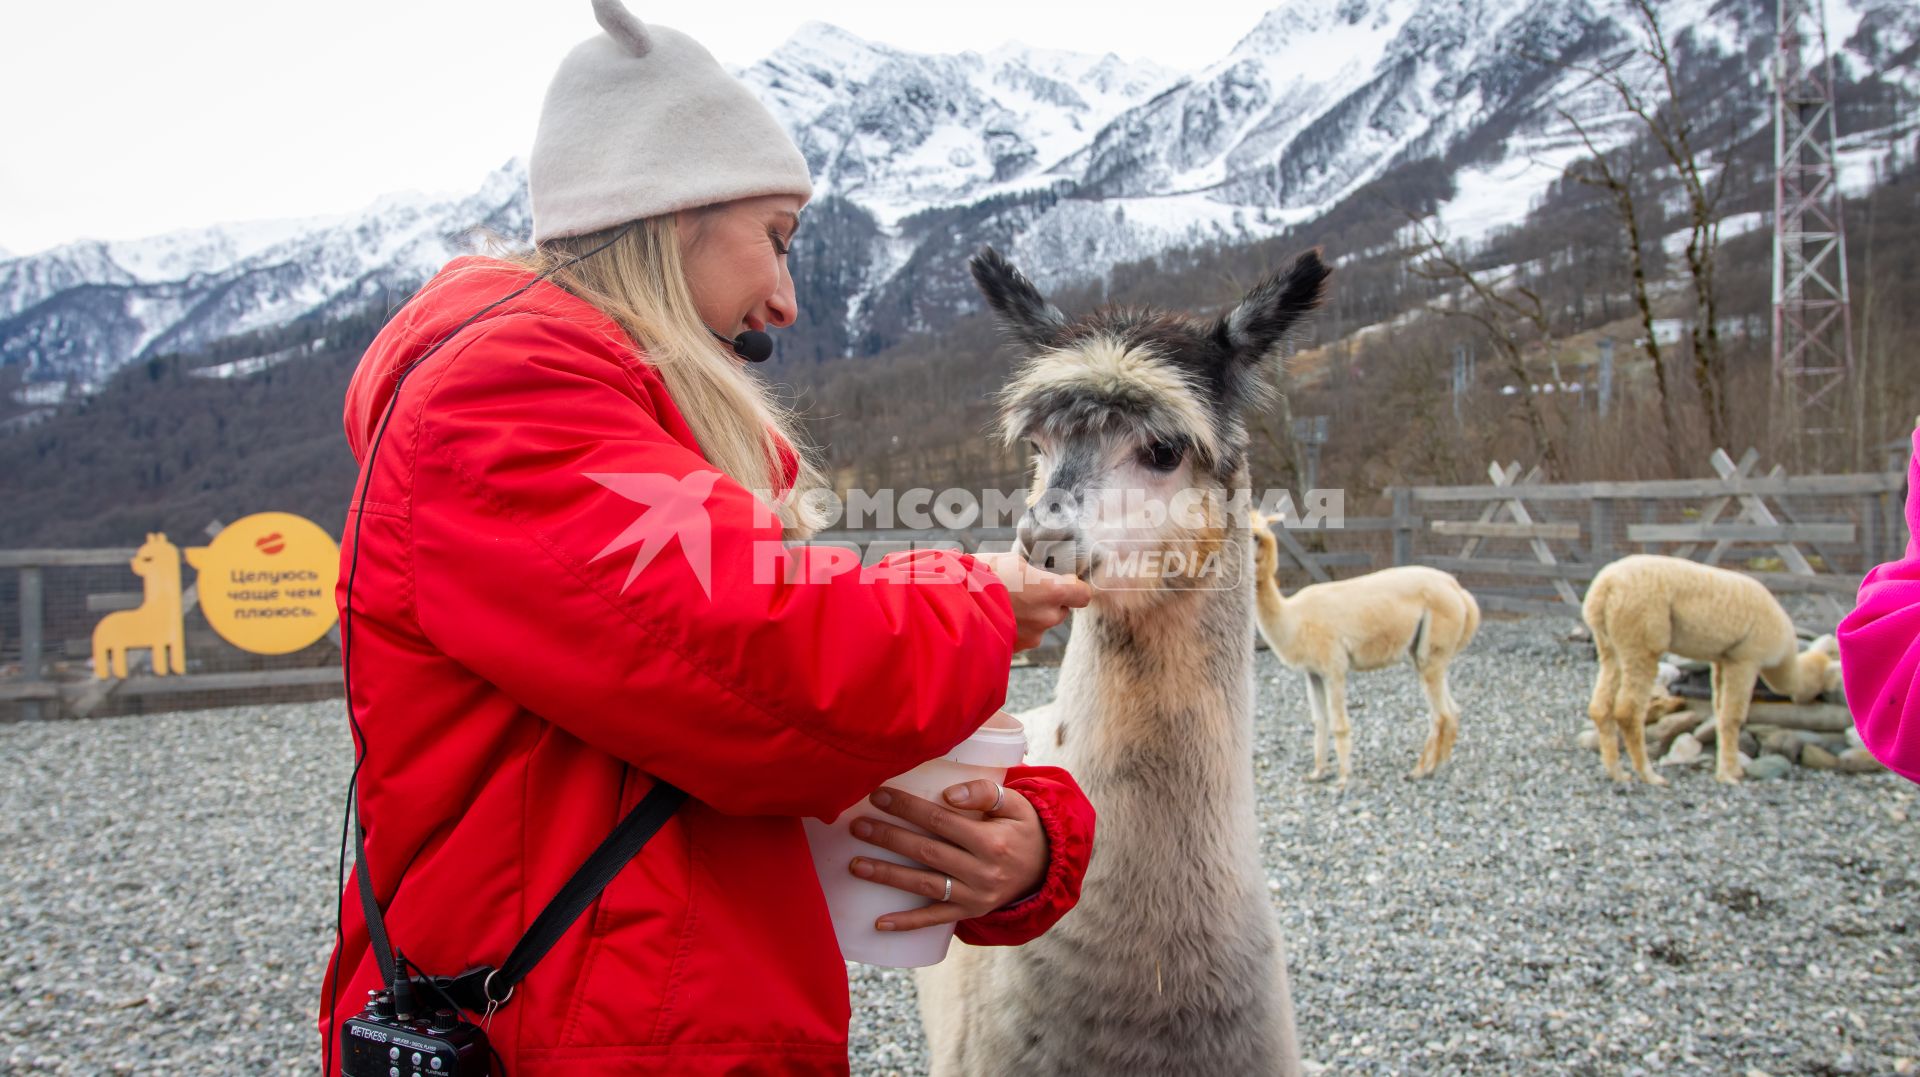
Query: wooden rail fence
[[1810, 535], [1520, 544]]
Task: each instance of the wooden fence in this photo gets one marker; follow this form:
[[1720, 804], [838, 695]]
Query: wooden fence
[[1527, 546], [1521, 545]]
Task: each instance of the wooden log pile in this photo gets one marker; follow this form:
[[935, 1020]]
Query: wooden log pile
[[1777, 736]]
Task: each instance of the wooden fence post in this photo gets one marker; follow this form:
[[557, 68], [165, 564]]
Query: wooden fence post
[[1600, 529], [1871, 531], [30, 635], [1402, 525]]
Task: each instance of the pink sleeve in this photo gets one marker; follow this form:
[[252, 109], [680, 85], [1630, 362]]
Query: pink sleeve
[[1880, 649]]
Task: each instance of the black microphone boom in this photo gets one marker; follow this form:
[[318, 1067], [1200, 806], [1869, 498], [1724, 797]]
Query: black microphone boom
[[752, 345]]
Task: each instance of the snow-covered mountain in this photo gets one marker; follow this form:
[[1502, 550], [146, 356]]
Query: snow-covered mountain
[[1072, 162], [78, 312], [896, 131]]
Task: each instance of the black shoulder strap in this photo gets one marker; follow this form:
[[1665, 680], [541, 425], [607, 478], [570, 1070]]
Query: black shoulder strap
[[483, 987], [369, 904]]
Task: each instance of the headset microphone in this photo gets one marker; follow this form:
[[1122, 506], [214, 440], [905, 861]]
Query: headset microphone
[[752, 345]]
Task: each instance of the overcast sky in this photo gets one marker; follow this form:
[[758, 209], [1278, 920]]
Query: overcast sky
[[126, 119]]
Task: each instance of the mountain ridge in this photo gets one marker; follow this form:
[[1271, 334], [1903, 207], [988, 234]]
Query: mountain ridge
[[1072, 163]]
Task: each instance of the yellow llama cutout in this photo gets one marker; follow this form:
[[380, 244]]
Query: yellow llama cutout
[[155, 625]]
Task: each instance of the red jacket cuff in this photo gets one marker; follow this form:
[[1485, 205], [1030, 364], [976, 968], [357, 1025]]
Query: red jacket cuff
[[1067, 817]]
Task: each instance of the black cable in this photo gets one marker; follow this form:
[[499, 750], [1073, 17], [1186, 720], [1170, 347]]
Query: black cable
[[339, 906], [346, 665], [346, 627]]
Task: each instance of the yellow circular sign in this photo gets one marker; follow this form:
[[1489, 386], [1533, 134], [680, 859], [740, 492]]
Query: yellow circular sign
[[266, 582]]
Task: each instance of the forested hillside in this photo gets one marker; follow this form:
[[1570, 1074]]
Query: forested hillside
[[162, 449], [1447, 341]]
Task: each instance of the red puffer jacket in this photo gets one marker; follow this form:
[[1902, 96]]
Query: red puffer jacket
[[530, 650]]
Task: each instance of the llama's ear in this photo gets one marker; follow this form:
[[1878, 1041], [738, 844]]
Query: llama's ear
[[1262, 321], [1019, 306]]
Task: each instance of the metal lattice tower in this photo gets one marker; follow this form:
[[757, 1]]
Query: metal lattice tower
[[1812, 330]]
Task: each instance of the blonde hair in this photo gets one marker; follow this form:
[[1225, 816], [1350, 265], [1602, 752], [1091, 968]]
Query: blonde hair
[[639, 281]]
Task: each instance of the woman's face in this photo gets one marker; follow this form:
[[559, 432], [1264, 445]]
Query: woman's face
[[735, 255]]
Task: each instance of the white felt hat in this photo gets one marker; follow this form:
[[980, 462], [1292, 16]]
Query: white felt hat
[[640, 121]]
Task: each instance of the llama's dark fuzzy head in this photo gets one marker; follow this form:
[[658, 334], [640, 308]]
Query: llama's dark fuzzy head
[[1168, 378]]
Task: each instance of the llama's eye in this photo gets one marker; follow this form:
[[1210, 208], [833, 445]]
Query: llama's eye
[[1161, 456]]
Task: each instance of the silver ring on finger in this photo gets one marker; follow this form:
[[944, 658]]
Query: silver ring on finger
[[1000, 794], [948, 894]]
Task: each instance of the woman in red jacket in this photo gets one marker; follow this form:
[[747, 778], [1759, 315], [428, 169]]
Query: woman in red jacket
[[562, 587]]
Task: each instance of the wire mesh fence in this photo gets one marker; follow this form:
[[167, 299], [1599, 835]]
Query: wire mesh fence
[[52, 601]]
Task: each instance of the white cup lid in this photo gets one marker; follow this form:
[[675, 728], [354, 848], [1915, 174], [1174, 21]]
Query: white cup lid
[[1000, 742]]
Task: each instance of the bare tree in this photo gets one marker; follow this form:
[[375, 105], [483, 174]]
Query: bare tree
[[1618, 179], [1665, 120], [1285, 457], [1505, 310]]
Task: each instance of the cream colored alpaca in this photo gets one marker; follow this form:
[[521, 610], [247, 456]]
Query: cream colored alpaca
[[1408, 613], [1643, 606]]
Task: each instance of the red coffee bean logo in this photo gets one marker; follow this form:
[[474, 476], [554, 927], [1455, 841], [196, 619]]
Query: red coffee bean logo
[[270, 544]]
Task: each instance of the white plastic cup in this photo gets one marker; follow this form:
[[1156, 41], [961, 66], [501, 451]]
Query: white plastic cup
[[855, 902]]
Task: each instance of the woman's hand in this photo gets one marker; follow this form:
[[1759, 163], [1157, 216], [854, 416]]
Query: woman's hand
[[1041, 599], [992, 862]]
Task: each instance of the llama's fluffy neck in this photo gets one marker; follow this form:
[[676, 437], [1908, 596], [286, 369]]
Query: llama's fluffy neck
[[1774, 646], [1174, 937], [1156, 713], [1801, 677], [1275, 617]]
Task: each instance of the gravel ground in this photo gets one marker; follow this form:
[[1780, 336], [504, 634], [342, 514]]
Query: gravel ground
[[1518, 914]]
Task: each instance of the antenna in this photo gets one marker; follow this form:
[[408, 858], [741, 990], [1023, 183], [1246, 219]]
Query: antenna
[[1462, 376], [1311, 432], [1812, 326], [1605, 388]]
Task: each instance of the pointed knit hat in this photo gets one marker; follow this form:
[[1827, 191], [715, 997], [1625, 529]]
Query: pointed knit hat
[[640, 121]]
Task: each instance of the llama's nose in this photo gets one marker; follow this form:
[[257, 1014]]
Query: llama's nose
[[1056, 549]]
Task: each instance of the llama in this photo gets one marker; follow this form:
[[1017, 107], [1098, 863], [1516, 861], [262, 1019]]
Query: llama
[[1643, 606], [1172, 962], [155, 625], [1408, 613]]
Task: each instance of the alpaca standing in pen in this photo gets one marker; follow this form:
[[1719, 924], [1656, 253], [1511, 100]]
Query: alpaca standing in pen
[[1643, 606], [1172, 961], [1409, 613]]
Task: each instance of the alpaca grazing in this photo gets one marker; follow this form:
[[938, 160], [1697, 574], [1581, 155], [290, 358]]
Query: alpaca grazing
[[1405, 614], [1643, 606], [1172, 962]]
